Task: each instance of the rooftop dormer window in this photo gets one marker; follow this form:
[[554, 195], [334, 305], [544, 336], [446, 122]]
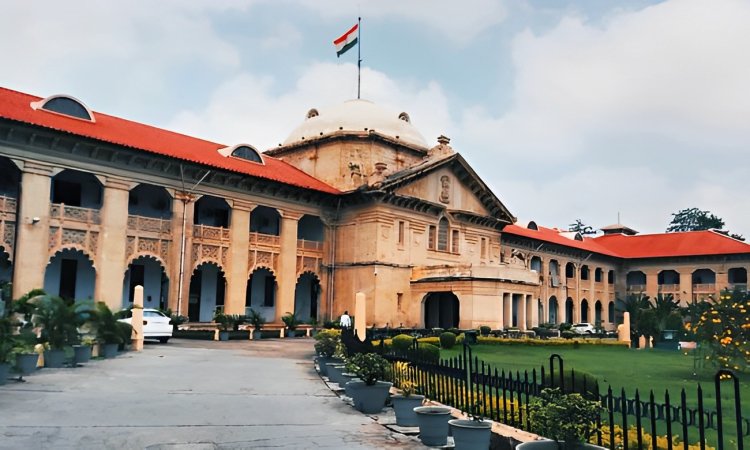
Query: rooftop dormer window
[[65, 105], [243, 151]]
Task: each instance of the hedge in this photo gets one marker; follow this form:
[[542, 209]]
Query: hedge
[[554, 342]]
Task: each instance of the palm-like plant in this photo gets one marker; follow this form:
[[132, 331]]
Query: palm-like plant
[[60, 320], [634, 304], [107, 329]]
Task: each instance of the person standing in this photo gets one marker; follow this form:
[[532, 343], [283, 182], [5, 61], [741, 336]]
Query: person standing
[[345, 321]]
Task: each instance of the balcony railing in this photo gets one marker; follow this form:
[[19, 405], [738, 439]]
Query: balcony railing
[[64, 212], [704, 288], [636, 288], [210, 233], [150, 224], [8, 205], [669, 288], [264, 240], [738, 286], [309, 245]]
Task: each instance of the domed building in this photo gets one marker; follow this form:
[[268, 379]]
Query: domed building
[[354, 200]]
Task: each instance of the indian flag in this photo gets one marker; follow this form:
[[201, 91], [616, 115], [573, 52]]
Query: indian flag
[[347, 40]]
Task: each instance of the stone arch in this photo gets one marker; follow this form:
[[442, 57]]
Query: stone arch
[[70, 273], [584, 310], [569, 310], [307, 296], [552, 309], [207, 291], [441, 310], [75, 247], [151, 273], [260, 292], [598, 314]]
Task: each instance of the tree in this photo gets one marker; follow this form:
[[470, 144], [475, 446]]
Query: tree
[[635, 305], [694, 219], [580, 227], [724, 327]]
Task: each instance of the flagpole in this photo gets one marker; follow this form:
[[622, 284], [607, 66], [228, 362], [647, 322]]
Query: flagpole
[[359, 54]]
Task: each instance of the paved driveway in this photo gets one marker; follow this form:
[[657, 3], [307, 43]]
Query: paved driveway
[[188, 395]]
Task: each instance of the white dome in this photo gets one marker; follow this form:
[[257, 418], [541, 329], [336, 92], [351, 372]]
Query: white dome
[[357, 116]]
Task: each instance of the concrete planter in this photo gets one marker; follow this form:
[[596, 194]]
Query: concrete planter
[[322, 364], [404, 409], [4, 372], [334, 373], [223, 335], [348, 378], [433, 424], [291, 333], [54, 359], [548, 444], [26, 363], [108, 350], [81, 354], [369, 399], [471, 434]]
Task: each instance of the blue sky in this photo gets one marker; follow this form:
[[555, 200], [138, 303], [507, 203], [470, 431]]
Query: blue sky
[[567, 109]]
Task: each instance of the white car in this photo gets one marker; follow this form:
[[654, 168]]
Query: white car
[[583, 328], [156, 324]]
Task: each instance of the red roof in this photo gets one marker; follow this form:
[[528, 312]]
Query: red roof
[[553, 236], [662, 245], [16, 106]]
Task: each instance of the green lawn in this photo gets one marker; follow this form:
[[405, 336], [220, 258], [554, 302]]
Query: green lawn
[[619, 367]]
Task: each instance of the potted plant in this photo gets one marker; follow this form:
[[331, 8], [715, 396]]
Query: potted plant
[[257, 320], [326, 344], [108, 333], [314, 325], [6, 345], [82, 352], [433, 424], [291, 321], [567, 420], [370, 394], [473, 433], [404, 403], [224, 323], [59, 321]]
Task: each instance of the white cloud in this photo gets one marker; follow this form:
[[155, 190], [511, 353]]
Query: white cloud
[[247, 108], [643, 113]]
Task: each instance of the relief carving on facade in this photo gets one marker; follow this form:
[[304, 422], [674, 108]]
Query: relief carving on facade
[[445, 189]]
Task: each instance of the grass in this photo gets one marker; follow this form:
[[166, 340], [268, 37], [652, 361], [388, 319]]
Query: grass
[[631, 369]]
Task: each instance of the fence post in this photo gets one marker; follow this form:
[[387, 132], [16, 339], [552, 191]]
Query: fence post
[[559, 359], [737, 404]]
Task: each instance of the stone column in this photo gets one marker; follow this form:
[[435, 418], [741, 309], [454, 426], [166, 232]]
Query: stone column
[[686, 287], [722, 282], [183, 206], [31, 248], [239, 232], [110, 253], [521, 311], [137, 319], [501, 315], [287, 270], [652, 282], [534, 316], [507, 310]]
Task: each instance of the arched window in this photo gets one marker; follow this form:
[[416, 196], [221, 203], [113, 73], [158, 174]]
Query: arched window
[[442, 235], [66, 105], [243, 151]]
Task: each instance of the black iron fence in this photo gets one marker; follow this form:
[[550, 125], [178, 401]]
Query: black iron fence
[[638, 422]]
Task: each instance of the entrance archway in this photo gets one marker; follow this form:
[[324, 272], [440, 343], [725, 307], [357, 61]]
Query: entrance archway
[[441, 310], [207, 288], [598, 313], [569, 310], [584, 310], [70, 274], [261, 293], [306, 294], [552, 310], [148, 272]]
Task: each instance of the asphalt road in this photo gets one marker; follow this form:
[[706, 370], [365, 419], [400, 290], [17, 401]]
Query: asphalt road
[[188, 395]]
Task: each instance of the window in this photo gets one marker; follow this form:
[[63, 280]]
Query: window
[[483, 248], [63, 104], [442, 235], [454, 241], [585, 273], [431, 237], [248, 153], [401, 232]]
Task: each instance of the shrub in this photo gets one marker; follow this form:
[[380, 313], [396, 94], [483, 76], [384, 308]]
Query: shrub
[[576, 385], [426, 353], [567, 334], [291, 320], [370, 367], [563, 417], [433, 340], [327, 342], [447, 340], [402, 343], [565, 326], [484, 330], [223, 321], [256, 319]]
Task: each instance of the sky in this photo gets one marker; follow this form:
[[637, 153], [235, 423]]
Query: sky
[[567, 109]]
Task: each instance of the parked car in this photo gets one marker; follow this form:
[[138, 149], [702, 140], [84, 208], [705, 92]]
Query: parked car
[[156, 324], [583, 328]]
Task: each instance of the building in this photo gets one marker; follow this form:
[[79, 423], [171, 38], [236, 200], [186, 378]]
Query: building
[[354, 200]]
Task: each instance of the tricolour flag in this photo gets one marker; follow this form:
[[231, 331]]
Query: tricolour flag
[[347, 40]]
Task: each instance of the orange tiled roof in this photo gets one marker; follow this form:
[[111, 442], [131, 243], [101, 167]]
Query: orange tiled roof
[[553, 236], [661, 245], [689, 243], [16, 106]]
